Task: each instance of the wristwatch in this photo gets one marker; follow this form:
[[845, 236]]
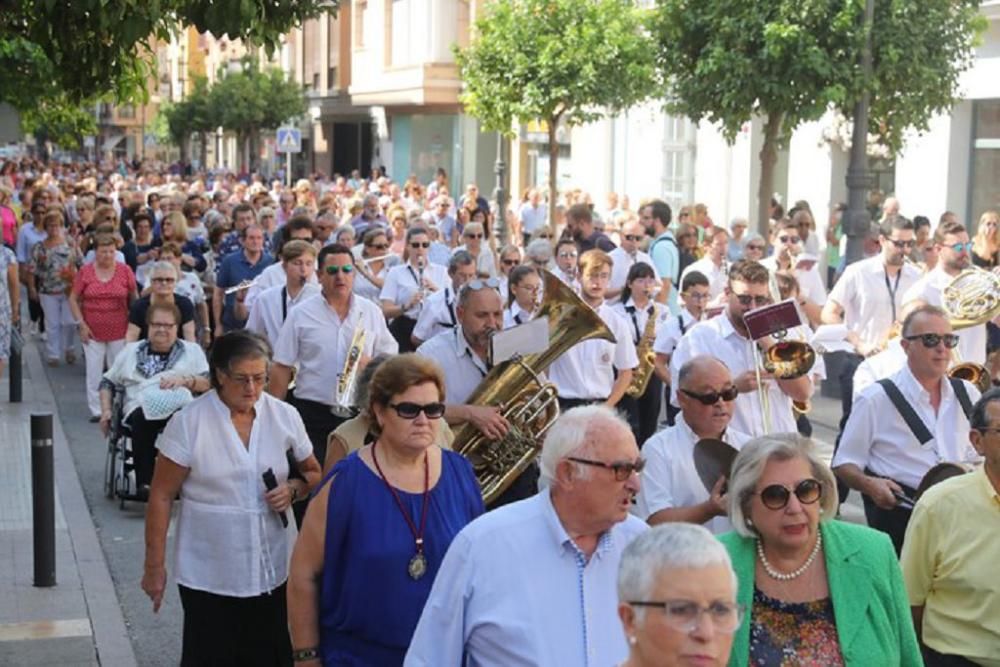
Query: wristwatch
[[304, 654]]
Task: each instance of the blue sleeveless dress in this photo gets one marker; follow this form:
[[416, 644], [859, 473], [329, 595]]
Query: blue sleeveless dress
[[369, 605]]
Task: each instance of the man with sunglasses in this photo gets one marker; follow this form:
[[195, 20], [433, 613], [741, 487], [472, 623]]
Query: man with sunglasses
[[694, 297], [625, 257], [671, 488], [534, 582], [789, 258], [439, 311], [316, 338], [951, 552], [903, 425], [954, 256], [726, 338]]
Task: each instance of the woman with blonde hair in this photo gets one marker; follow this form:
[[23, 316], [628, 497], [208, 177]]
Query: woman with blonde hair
[[986, 244], [174, 228]]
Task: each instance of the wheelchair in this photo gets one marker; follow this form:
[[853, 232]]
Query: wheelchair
[[119, 472]]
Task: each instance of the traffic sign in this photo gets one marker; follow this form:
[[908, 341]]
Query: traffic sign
[[289, 140]]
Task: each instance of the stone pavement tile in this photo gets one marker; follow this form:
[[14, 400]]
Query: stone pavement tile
[[49, 652]]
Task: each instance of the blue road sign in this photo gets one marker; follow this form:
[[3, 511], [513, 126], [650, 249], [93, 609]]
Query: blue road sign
[[289, 140]]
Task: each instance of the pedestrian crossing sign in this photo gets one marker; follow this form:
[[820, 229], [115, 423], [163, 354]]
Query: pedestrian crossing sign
[[289, 140]]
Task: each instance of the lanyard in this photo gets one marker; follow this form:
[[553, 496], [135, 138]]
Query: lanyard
[[284, 303], [892, 290], [450, 305]]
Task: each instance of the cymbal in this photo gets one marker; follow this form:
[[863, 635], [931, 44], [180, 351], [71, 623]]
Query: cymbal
[[713, 459], [937, 474]]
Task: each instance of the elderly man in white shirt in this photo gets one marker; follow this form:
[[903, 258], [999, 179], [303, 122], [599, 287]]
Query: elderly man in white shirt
[[438, 313], [625, 257], [726, 338], [317, 338], [671, 488], [533, 583], [901, 427], [270, 310], [714, 265]]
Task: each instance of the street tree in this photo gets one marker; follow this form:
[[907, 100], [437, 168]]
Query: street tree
[[198, 113], [560, 61], [60, 121], [789, 61]]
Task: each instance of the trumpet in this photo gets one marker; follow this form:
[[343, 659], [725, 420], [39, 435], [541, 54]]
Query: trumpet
[[245, 284], [344, 405]]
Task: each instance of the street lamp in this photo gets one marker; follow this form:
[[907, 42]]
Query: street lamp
[[499, 196], [858, 220]]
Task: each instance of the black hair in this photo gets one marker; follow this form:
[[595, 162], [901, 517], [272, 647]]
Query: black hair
[[638, 270]]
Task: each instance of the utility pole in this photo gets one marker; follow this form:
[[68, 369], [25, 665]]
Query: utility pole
[[500, 196], [858, 220]]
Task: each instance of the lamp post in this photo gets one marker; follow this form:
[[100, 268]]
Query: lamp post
[[499, 195], [858, 176]]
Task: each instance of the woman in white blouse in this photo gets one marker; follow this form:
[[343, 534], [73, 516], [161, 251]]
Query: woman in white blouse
[[227, 455], [525, 294], [474, 242]]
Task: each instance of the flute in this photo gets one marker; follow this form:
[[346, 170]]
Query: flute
[[246, 284]]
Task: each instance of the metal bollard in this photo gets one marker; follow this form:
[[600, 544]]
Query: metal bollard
[[15, 376], [43, 500]]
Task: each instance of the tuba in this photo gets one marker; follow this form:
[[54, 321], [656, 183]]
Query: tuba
[[647, 360], [527, 402], [970, 299]]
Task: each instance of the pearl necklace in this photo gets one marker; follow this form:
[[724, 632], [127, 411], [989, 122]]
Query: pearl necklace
[[780, 576]]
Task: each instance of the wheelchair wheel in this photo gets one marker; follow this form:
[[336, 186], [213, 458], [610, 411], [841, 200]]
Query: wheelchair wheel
[[110, 468]]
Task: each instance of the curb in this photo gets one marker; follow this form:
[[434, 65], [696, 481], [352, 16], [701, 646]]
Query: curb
[[111, 640]]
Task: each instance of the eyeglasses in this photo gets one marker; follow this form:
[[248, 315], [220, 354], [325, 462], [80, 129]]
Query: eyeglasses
[[776, 496], [632, 237], [333, 269], [161, 325], [960, 247], [473, 236], [408, 410], [713, 397], [931, 340], [379, 246], [903, 244], [683, 615], [545, 236], [425, 244], [567, 255], [257, 380], [754, 246], [164, 280], [747, 300], [695, 296], [622, 469], [789, 239], [509, 262]]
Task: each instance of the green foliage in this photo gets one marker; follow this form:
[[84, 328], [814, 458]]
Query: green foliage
[[59, 120], [103, 46], [557, 60], [251, 100]]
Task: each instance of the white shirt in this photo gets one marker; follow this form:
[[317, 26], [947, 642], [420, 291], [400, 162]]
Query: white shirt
[[717, 275], [671, 332], [670, 479], [930, 288], [809, 280], [623, 262], [864, 297], [273, 276], [190, 286], [876, 437], [228, 540], [368, 289], [878, 366], [514, 313], [403, 281], [463, 369], [484, 262], [515, 591], [638, 320], [125, 372], [586, 370], [437, 315], [717, 338], [266, 316], [561, 275], [314, 338]]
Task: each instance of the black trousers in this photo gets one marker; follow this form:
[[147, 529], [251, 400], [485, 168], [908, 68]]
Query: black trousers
[[222, 631], [36, 313], [570, 403], [525, 486], [144, 433], [643, 412], [851, 363], [319, 423], [934, 659], [401, 329], [891, 522]]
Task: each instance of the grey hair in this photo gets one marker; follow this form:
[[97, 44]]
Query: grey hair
[[162, 266], [666, 547], [749, 466], [571, 433], [460, 258], [539, 250], [346, 229]]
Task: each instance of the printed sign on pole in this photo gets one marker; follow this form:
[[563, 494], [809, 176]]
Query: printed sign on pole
[[289, 140]]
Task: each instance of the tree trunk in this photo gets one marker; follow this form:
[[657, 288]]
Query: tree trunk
[[182, 147], [203, 137], [553, 122], [768, 160]]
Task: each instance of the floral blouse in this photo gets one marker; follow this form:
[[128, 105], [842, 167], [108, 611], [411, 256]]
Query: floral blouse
[[55, 268], [791, 634]]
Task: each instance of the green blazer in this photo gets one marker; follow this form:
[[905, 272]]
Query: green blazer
[[870, 605]]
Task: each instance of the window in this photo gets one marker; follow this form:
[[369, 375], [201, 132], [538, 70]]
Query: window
[[984, 184], [126, 111], [360, 8], [678, 160]]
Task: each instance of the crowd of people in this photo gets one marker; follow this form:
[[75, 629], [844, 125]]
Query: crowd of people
[[318, 347]]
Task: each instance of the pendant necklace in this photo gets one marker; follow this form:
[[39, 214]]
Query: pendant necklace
[[418, 564]]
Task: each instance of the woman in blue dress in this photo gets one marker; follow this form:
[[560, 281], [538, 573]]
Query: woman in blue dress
[[377, 530]]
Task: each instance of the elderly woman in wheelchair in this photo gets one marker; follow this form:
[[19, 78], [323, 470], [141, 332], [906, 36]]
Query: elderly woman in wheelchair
[[158, 375]]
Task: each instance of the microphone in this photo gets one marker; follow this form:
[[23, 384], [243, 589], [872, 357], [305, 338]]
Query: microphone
[[271, 483]]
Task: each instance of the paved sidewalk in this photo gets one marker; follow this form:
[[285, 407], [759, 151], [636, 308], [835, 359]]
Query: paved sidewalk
[[78, 621]]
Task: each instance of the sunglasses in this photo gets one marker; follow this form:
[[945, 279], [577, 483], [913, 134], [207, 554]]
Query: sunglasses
[[960, 247], [931, 340], [713, 397], [633, 237], [776, 496], [903, 244], [408, 410], [478, 284], [164, 280], [755, 247], [378, 246], [333, 269], [747, 300], [567, 255], [473, 236], [622, 469], [789, 239], [425, 244], [509, 262], [545, 236]]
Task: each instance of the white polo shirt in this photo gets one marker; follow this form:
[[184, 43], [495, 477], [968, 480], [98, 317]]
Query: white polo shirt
[[673, 329], [437, 315], [810, 282], [863, 292], [273, 276], [878, 366], [876, 437], [515, 315], [586, 370], [314, 338], [463, 369], [270, 310], [718, 338], [717, 275], [670, 479], [403, 281], [930, 288], [623, 262]]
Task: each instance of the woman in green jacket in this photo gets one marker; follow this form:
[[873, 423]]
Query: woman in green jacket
[[818, 591]]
